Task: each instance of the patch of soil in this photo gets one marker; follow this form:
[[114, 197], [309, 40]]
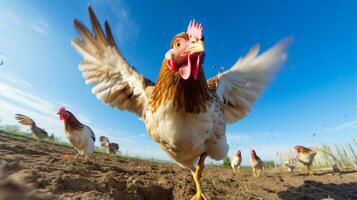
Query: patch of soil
[[35, 170]]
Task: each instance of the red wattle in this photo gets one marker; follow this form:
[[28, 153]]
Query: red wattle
[[61, 117], [196, 67], [185, 71], [171, 65]]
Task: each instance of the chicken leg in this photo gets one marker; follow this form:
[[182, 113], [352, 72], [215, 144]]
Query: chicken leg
[[76, 156], [256, 172], [197, 178], [68, 157], [310, 170]]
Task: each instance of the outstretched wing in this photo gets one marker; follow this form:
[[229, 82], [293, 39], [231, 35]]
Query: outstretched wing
[[116, 83], [23, 119], [240, 86]]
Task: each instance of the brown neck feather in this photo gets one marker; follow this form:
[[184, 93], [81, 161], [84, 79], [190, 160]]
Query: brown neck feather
[[72, 123], [255, 157], [305, 150], [187, 95]]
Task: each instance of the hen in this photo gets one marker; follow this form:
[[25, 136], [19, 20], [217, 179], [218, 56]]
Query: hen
[[305, 156], [236, 161], [111, 148], [183, 112], [289, 166], [257, 164], [38, 132], [79, 135]]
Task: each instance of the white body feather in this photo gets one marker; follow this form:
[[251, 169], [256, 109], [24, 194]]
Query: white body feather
[[81, 140], [236, 162], [184, 136], [307, 158]]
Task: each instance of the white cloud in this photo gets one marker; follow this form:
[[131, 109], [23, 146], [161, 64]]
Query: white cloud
[[40, 26], [12, 23], [15, 98], [15, 80], [245, 137], [344, 126], [3, 58], [238, 137], [39, 29]]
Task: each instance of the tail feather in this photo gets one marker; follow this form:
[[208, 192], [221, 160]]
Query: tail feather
[[23, 119]]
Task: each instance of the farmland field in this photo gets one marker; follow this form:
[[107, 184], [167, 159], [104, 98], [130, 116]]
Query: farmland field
[[32, 169]]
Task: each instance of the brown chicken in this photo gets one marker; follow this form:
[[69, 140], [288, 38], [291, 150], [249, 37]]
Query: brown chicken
[[36, 131], [183, 112], [257, 163], [79, 135], [305, 156], [111, 148]]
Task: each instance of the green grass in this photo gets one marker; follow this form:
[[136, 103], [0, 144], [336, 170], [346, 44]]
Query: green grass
[[13, 130], [17, 133], [344, 156]]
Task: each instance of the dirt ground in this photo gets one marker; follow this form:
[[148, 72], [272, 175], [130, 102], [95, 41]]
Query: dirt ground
[[35, 170]]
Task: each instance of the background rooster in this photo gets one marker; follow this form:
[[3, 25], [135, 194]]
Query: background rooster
[[79, 135], [305, 156], [183, 112], [111, 148], [236, 161], [257, 163], [38, 132]]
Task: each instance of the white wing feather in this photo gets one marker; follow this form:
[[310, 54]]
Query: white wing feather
[[116, 83], [240, 86]]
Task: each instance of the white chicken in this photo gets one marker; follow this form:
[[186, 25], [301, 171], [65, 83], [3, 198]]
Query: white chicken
[[79, 135], [236, 162], [183, 112], [306, 156]]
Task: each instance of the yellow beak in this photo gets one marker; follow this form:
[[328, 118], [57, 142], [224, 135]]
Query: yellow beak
[[196, 47]]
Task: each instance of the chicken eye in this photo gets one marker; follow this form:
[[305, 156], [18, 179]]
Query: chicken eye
[[178, 44]]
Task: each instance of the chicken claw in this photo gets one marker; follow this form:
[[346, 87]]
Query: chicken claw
[[197, 178]]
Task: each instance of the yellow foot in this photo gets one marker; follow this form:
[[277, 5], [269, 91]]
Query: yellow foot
[[199, 196], [67, 157]]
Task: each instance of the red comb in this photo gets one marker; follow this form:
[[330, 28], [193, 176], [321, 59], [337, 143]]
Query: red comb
[[62, 109], [195, 29]]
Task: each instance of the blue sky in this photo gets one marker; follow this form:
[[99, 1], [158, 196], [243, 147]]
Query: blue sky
[[315, 93]]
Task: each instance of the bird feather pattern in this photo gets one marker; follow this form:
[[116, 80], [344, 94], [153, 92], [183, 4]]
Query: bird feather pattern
[[116, 83], [240, 86], [25, 120], [185, 113]]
